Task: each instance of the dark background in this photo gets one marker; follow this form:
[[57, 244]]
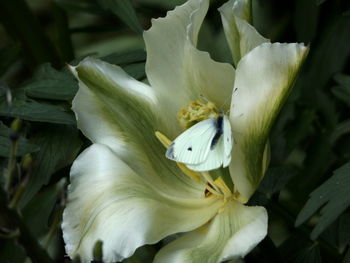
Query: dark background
[[307, 186]]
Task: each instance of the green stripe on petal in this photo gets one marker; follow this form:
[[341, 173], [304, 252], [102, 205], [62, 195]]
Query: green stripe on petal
[[118, 100], [264, 78], [108, 201], [116, 110], [231, 234], [178, 72], [242, 37]]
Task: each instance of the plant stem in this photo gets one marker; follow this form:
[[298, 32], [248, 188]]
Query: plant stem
[[11, 219], [18, 194], [11, 166]]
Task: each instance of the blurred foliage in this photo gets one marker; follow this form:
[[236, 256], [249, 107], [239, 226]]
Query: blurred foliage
[[306, 188]]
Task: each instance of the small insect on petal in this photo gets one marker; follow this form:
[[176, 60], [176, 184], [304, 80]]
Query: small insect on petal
[[205, 146]]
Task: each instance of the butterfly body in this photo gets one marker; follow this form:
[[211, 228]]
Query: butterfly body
[[219, 131], [205, 146]]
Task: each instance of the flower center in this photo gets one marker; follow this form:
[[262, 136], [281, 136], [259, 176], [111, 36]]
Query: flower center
[[215, 187], [195, 112]]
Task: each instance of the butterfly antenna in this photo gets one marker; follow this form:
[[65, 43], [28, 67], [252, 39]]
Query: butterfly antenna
[[227, 100]]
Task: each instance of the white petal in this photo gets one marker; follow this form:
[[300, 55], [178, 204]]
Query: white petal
[[264, 78], [109, 104], [234, 231], [118, 111], [178, 72], [107, 201], [241, 36], [249, 37]]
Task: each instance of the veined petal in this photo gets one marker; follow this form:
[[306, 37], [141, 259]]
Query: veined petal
[[249, 37], [241, 35], [178, 72], [104, 101], [116, 110], [108, 201], [264, 78], [234, 231]]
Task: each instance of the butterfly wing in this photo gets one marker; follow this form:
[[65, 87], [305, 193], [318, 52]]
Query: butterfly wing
[[193, 145], [218, 155], [213, 161]]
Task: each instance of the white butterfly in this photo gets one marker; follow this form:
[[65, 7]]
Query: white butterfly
[[205, 146]]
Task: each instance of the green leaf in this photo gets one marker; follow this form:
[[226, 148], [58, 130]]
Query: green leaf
[[347, 257], [8, 55], [342, 91], [23, 146], [51, 84], [168, 4], [37, 212], [12, 252], [328, 57], [88, 6], [344, 231], [305, 20], [124, 10], [275, 179], [309, 255], [267, 252], [298, 132], [132, 62], [343, 80], [340, 130], [143, 254], [338, 234], [22, 24], [63, 36], [31, 110], [136, 70], [59, 145], [125, 58], [320, 157], [320, 2], [333, 195], [297, 249]]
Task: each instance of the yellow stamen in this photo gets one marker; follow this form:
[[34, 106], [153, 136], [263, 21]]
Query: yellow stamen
[[223, 187], [217, 187], [237, 196], [195, 112], [192, 174], [214, 192], [210, 180], [163, 139], [166, 143], [203, 229]]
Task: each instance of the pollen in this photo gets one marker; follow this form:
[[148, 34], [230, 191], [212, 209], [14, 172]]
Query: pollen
[[195, 112]]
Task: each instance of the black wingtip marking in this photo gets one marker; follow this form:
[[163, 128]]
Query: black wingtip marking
[[189, 149], [219, 131]]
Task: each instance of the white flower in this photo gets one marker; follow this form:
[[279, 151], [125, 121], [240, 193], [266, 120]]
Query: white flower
[[125, 192]]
